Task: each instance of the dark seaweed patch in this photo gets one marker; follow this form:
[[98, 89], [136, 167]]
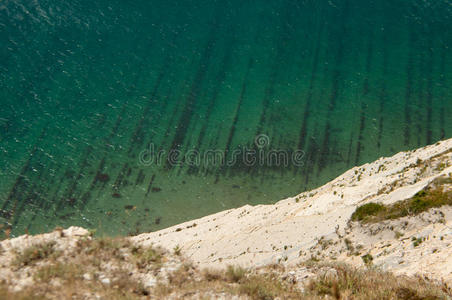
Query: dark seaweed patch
[[156, 189], [102, 177]]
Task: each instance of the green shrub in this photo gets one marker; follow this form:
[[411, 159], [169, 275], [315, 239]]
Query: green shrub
[[420, 202], [367, 259], [147, 256], [367, 210], [177, 250]]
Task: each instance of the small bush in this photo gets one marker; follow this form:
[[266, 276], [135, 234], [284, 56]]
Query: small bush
[[260, 288], [103, 248], [268, 286], [367, 259], [367, 210], [417, 241], [177, 250], [180, 277], [147, 256], [212, 275], [235, 274], [349, 245], [34, 253], [58, 270]]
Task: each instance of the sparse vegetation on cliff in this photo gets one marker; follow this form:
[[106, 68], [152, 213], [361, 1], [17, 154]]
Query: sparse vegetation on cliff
[[34, 253], [350, 283], [58, 280], [295, 243], [436, 195]]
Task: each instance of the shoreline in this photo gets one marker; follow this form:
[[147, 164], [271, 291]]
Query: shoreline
[[265, 234], [299, 240]]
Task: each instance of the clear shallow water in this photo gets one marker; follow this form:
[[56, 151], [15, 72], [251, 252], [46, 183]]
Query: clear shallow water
[[91, 92]]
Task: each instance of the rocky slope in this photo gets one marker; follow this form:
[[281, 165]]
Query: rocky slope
[[316, 224], [294, 234]]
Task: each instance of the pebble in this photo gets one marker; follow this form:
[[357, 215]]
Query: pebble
[[87, 276], [105, 281], [151, 282]]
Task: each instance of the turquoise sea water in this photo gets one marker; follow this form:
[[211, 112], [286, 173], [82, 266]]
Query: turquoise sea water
[[93, 93]]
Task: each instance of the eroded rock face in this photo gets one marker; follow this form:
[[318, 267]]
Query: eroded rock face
[[315, 225], [290, 231]]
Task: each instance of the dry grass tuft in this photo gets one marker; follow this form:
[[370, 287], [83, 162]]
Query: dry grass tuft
[[235, 274], [232, 281], [267, 287], [66, 272], [352, 283], [99, 266], [83, 271], [34, 253]]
